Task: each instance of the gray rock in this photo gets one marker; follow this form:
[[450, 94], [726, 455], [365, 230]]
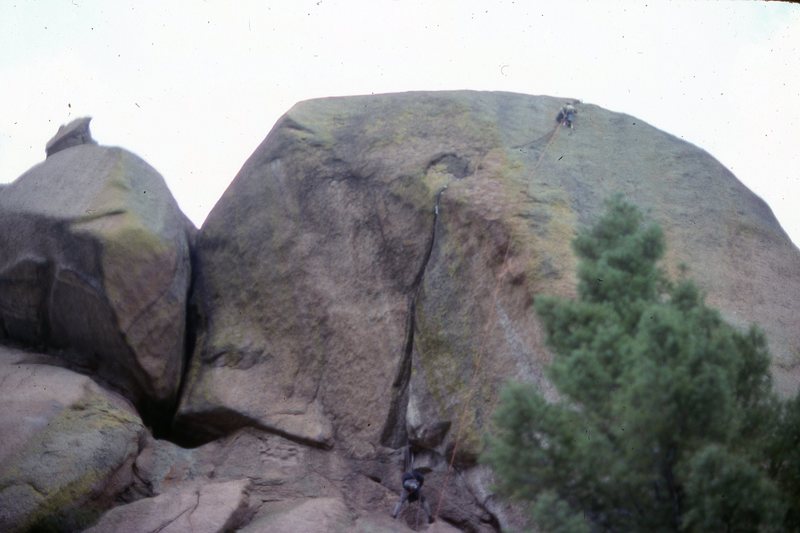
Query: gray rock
[[73, 134], [318, 515], [367, 278], [96, 264], [202, 507], [287, 478], [66, 446], [381, 523]]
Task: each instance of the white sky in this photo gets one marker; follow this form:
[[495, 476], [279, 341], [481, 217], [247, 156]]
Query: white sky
[[194, 87]]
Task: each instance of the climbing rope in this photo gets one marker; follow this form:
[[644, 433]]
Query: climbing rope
[[487, 330]]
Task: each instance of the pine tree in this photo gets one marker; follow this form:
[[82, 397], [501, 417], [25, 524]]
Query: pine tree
[[666, 419]]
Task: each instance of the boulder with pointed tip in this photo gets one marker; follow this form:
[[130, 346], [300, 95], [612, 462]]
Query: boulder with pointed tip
[[95, 266], [73, 134]]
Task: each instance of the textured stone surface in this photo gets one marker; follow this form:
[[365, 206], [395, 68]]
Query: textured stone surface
[[305, 272], [319, 515], [96, 263], [366, 281], [287, 476], [325, 319], [66, 445], [368, 277], [206, 507]]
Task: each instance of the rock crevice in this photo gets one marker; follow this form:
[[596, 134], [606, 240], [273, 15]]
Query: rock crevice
[[394, 434]]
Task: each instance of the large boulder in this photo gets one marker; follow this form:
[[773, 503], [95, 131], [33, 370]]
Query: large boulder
[[67, 447], [368, 276], [96, 266]]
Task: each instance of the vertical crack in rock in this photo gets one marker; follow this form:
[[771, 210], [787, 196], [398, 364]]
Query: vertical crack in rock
[[195, 323], [394, 432]]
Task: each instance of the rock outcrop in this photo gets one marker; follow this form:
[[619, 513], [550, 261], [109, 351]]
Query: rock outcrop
[[369, 274], [95, 263], [67, 446], [204, 507], [365, 283]]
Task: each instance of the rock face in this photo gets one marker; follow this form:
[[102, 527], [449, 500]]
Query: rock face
[[366, 282], [206, 507], [306, 271], [67, 446], [96, 263]]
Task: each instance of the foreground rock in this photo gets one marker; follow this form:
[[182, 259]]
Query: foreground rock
[[292, 483], [318, 515], [206, 507], [66, 446], [95, 263], [371, 235]]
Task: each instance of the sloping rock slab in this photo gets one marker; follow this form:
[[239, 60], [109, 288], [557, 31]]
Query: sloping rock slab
[[279, 468], [96, 263], [206, 507], [66, 445], [369, 236], [319, 515]]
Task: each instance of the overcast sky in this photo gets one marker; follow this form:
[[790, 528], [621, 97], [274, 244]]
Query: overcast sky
[[193, 87]]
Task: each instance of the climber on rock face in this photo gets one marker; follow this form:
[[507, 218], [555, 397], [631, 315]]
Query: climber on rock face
[[566, 115]]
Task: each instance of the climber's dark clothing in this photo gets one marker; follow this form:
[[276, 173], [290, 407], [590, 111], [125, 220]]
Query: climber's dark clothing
[[412, 491]]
